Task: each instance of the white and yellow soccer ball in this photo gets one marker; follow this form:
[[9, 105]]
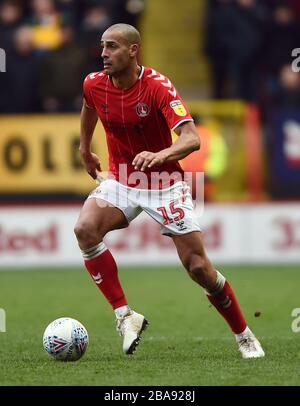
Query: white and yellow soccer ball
[[65, 339]]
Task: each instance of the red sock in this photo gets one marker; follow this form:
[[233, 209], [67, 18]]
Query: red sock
[[104, 271], [227, 305]]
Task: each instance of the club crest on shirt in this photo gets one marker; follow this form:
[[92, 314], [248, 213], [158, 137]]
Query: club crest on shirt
[[142, 109], [178, 108]]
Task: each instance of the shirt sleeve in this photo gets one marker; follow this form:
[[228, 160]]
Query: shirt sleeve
[[87, 84], [171, 105]]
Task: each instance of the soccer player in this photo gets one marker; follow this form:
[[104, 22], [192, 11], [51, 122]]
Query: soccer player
[[137, 107]]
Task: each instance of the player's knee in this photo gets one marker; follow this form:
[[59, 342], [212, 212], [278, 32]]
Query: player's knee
[[85, 232]]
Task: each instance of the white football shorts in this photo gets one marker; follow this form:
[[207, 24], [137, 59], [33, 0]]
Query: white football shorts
[[172, 207]]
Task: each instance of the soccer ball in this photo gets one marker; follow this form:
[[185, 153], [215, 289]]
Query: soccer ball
[[65, 339]]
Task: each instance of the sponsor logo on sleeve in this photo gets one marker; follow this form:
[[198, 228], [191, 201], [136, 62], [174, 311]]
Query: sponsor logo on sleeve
[[178, 108]]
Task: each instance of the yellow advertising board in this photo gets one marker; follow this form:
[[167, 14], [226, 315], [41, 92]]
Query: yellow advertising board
[[39, 153]]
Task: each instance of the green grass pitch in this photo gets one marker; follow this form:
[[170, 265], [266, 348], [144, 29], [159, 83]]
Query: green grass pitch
[[186, 343]]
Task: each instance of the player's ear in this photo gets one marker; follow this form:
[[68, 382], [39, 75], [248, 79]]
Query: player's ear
[[133, 50]]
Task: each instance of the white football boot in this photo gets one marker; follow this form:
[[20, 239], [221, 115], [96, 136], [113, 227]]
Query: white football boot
[[249, 346], [130, 327]]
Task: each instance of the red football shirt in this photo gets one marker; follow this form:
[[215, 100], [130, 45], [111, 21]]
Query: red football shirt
[[137, 119]]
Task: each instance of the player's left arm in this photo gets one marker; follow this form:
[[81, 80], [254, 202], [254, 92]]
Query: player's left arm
[[187, 142]]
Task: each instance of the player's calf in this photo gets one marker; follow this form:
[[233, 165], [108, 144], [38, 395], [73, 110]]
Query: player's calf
[[202, 272], [224, 300]]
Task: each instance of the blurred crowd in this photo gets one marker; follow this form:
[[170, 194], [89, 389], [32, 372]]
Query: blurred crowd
[[252, 46], [50, 46], [249, 44]]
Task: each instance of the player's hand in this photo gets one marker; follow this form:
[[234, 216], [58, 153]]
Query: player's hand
[[148, 159], [92, 164]]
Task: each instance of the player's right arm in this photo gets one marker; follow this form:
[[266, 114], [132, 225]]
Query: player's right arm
[[88, 122]]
